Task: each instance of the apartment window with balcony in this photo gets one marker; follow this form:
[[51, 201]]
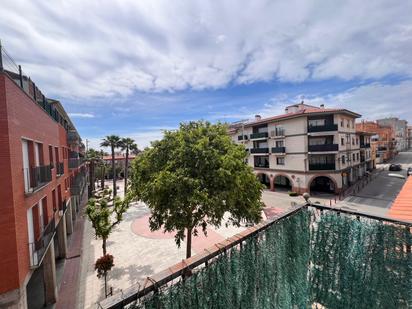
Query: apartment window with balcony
[[342, 141], [353, 157], [316, 122], [322, 162], [280, 143], [280, 161], [54, 203], [261, 161], [357, 157], [324, 140], [51, 160], [341, 123], [353, 141], [347, 124], [343, 159]]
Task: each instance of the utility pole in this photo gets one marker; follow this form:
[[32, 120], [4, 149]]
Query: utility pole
[[87, 145]]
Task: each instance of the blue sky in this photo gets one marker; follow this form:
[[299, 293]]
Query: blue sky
[[134, 68]]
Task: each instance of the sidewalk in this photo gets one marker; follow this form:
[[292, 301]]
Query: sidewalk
[[69, 287]]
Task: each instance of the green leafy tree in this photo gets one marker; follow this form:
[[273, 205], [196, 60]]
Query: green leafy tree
[[128, 145], [192, 177], [104, 219], [112, 141]]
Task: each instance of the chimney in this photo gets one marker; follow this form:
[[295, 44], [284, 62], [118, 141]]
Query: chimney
[[322, 106], [257, 117]]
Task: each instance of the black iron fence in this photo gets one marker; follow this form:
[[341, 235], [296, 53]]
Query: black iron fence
[[38, 248], [36, 177], [60, 169]]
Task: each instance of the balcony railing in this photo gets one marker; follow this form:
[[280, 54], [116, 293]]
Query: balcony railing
[[261, 165], [259, 150], [242, 137], [35, 177], [278, 149], [321, 166], [38, 248], [365, 146], [325, 128], [73, 138], [75, 162], [60, 169], [259, 135], [325, 147]]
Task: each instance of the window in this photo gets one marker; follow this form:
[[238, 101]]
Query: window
[[261, 161], [280, 131], [342, 141], [316, 122], [280, 144], [353, 157], [357, 141], [353, 141], [343, 159], [347, 124], [357, 156], [280, 161], [51, 156], [341, 123]]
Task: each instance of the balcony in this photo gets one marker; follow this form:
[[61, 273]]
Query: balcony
[[261, 135], [278, 149], [362, 158], [321, 166], [325, 147], [36, 177], [365, 146], [325, 128], [73, 138], [259, 150], [60, 169], [242, 138], [75, 162], [38, 248]]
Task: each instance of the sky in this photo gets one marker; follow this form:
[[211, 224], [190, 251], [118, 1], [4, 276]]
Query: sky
[[136, 68]]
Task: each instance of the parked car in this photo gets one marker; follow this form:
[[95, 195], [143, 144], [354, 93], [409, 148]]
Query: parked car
[[395, 167], [409, 172]]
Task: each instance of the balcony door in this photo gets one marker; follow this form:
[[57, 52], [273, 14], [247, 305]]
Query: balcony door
[[30, 230], [26, 165]]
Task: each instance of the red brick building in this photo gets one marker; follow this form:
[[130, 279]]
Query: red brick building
[[42, 181]]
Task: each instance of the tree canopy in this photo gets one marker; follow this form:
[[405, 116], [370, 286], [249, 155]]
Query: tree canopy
[[192, 177]]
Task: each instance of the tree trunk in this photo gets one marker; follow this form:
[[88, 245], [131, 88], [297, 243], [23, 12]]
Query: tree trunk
[[126, 170], [114, 174], [105, 284], [189, 243], [103, 175], [104, 246], [91, 170]]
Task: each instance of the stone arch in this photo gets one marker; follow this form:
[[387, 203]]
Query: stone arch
[[283, 181], [322, 184], [265, 179]]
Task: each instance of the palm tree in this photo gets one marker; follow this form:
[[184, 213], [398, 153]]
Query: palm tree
[[93, 157], [127, 144], [112, 141], [103, 169]]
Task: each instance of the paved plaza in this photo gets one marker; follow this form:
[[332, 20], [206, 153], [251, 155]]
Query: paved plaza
[[139, 253]]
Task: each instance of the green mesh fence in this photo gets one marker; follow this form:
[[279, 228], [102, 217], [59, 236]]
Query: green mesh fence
[[307, 260]]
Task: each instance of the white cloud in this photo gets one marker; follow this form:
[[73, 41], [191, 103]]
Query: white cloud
[[81, 115], [119, 47], [373, 101]]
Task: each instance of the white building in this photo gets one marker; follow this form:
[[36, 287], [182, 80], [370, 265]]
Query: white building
[[400, 128], [306, 149]]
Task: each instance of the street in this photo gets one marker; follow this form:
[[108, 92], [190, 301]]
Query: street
[[379, 194]]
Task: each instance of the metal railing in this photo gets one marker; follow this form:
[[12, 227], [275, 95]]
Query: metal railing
[[38, 248], [325, 128], [324, 147], [259, 150], [278, 149], [35, 177], [60, 169], [15, 72], [321, 166], [365, 146], [181, 270], [259, 135], [73, 137]]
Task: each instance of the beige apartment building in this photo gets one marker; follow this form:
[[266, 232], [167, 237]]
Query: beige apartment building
[[307, 149]]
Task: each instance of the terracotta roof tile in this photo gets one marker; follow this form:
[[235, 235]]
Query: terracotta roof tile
[[402, 206]]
